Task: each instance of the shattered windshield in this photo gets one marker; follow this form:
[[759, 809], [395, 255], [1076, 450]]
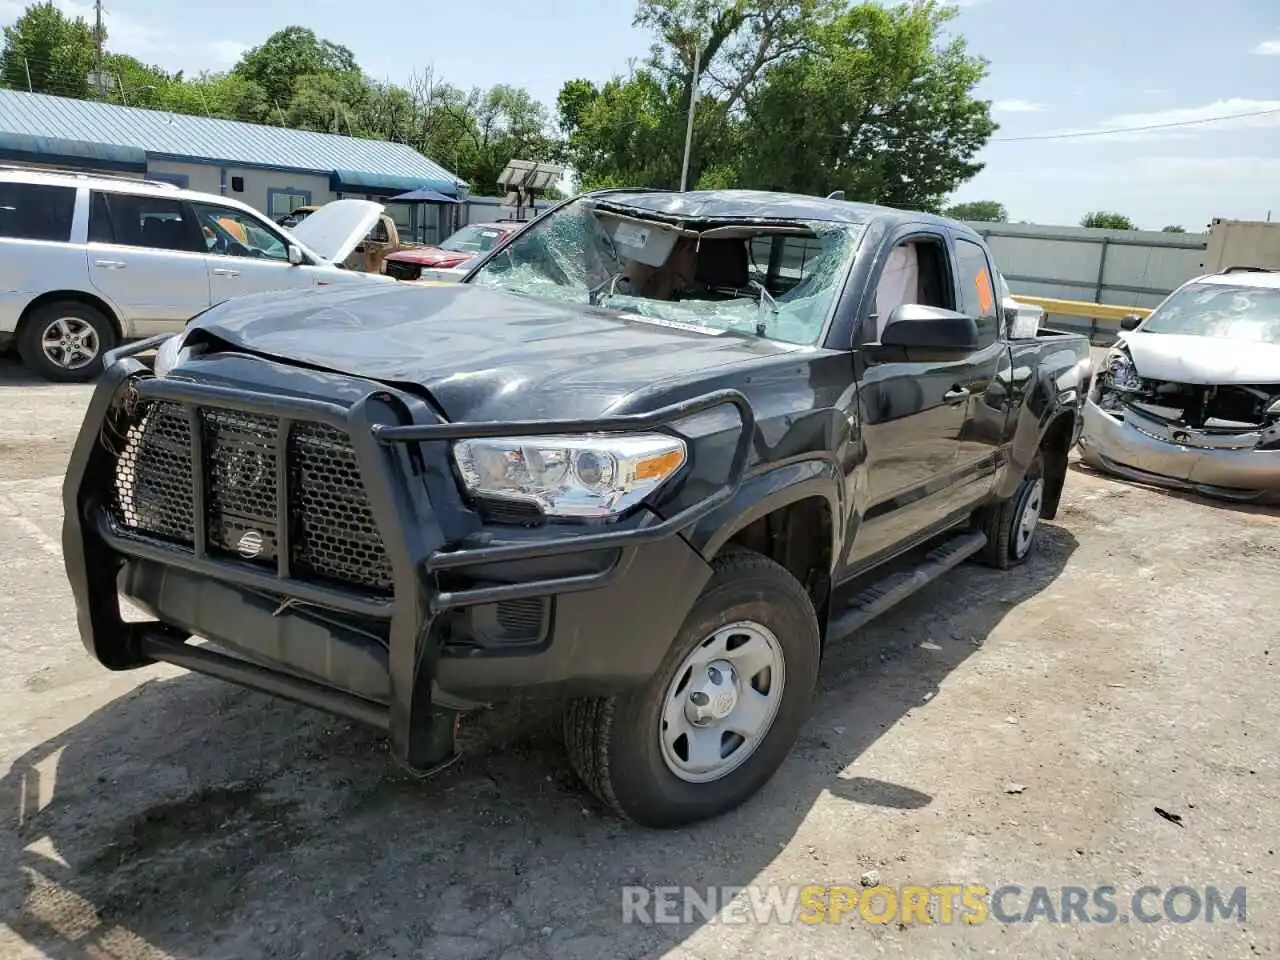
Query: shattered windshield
[[1217, 310], [472, 239], [773, 279]]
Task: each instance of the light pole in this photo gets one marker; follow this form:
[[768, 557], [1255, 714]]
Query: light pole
[[693, 102]]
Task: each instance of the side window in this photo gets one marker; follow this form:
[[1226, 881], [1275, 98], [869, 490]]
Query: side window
[[978, 292], [917, 272], [233, 233], [138, 220], [379, 233], [36, 211]]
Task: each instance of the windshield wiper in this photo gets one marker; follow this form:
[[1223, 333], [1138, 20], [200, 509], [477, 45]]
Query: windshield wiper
[[762, 328], [593, 295]]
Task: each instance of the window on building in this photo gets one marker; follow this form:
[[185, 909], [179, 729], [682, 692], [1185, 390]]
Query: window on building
[[138, 220], [281, 203], [979, 298], [36, 211], [234, 233]]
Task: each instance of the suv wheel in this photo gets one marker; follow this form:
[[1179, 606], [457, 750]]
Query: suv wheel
[[1011, 525], [65, 341], [715, 722]]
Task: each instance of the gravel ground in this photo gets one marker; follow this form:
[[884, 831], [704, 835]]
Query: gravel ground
[[1016, 728]]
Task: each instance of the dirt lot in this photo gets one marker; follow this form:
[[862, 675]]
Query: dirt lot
[[1131, 665]]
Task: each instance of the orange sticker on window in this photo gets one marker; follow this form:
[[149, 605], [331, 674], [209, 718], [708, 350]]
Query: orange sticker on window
[[986, 297]]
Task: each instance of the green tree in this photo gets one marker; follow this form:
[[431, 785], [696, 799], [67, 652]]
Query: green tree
[[985, 211], [882, 110], [133, 83], [1173, 229], [1107, 220], [808, 95], [284, 58], [45, 51]]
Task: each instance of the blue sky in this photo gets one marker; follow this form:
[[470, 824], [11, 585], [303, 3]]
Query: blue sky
[[1056, 67]]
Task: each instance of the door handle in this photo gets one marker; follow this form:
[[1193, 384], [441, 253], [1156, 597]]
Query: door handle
[[223, 272], [110, 264], [956, 395]]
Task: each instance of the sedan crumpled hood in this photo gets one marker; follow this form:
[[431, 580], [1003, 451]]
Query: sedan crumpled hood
[[430, 256], [483, 355], [1208, 361]]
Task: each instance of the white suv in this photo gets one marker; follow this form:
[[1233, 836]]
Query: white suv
[[87, 261]]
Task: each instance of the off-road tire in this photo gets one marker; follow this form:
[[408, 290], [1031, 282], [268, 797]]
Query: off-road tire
[[34, 326], [1001, 520], [613, 742]]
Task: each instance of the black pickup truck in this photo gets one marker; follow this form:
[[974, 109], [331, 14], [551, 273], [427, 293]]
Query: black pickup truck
[[652, 454]]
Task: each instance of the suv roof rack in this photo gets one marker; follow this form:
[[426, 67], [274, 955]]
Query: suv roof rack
[[85, 175], [1250, 270]]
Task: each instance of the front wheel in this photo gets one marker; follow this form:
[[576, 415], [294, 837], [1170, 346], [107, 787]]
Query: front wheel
[[715, 722]]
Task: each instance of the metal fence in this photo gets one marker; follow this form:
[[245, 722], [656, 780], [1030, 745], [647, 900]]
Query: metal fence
[[1120, 267]]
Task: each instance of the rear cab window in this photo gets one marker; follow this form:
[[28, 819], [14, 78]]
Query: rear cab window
[[138, 220], [36, 211], [978, 291]]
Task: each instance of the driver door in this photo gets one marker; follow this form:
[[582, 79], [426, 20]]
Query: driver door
[[245, 255]]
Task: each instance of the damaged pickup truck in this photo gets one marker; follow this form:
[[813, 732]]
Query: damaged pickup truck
[[650, 456], [1190, 397]]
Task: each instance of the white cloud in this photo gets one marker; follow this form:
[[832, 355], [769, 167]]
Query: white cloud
[[1018, 106], [1268, 48], [125, 34]]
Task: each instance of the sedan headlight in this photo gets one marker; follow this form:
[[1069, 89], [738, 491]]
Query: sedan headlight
[[1119, 373], [571, 476]]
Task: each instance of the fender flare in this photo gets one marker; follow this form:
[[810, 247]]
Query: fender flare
[[763, 493]]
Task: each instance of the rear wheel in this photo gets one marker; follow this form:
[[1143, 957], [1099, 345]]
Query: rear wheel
[[1011, 525], [717, 719], [65, 341]]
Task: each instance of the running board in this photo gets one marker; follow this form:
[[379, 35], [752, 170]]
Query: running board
[[879, 597]]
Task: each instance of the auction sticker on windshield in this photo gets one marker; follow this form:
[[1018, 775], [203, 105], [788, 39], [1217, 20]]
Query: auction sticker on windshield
[[675, 324]]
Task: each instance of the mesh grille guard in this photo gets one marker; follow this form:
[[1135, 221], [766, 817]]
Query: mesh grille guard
[[277, 494]]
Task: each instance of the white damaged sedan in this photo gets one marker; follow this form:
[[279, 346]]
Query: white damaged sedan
[[1190, 397]]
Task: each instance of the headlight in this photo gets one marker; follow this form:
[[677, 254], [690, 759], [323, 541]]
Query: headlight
[[169, 355], [587, 476], [1119, 372]]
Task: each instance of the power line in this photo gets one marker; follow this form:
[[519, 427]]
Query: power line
[[1149, 126]]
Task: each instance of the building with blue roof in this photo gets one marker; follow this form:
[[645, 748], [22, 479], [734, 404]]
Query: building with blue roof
[[272, 169]]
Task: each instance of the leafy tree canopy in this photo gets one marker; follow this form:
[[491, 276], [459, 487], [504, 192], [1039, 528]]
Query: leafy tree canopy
[[986, 211], [1107, 220]]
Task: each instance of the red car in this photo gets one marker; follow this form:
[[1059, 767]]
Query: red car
[[470, 241]]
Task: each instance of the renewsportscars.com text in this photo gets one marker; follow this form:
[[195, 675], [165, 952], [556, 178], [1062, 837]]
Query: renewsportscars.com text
[[942, 903]]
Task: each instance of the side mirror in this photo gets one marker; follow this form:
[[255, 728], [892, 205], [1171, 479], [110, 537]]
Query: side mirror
[[917, 328], [295, 255], [1130, 322]]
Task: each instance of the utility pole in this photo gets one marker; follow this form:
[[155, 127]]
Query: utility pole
[[693, 102], [97, 40]]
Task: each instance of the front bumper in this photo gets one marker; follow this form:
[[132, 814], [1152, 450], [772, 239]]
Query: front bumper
[[1144, 449], [611, 599]]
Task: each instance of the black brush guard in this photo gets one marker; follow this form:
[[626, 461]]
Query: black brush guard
[[397, 488]]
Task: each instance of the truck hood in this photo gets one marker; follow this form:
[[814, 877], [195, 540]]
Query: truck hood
[[334, 230], [481, 354], [1206, 361]]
